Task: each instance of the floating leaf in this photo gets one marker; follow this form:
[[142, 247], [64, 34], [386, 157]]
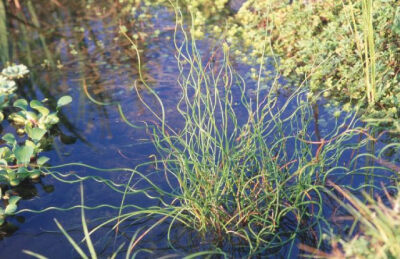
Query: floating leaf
[[30, 144], [23, 154], [3, 100], [34, 174], [64, 101], [31, 116], [35, 104], [42, 160], [10, 209], [9, 139], [22, 172], [21, 103], [4, 163], [17, 119], [14, 182], [35, 133], [51, 119], [13, 199]]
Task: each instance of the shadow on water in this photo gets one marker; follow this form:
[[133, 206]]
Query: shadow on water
[[75, 48]]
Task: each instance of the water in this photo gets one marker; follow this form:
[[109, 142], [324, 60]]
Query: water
[[76, 51]]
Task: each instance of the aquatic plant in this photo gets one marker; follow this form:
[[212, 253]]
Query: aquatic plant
[[15, 71], [239, 166], [11, 206], [19, 161], [7, 86], [36, 124]]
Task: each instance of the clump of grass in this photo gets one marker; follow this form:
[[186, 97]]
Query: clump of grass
[[239, 165]]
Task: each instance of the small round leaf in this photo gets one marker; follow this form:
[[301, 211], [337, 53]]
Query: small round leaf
[[64, 101]]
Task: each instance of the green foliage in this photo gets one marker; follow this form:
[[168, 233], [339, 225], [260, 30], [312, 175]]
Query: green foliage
[[65, 100], [37, 120], [35, 123], [332, 46], [204, 13], [380, 228], [10, 208]]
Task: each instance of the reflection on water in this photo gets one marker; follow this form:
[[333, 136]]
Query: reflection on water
[[75, 48]]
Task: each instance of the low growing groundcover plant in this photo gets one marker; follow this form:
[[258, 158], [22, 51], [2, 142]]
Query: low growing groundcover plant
[[347, 50]]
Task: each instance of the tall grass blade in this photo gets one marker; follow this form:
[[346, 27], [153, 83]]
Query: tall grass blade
[[85, 228], [33, 254], [369, 50], [35, 21], [4, 57], [71, 241]]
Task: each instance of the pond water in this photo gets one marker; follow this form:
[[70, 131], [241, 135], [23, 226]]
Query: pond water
[[75, 49]]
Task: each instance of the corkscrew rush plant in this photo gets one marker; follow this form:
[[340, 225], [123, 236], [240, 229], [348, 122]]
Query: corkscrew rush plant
[[240, 165]]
